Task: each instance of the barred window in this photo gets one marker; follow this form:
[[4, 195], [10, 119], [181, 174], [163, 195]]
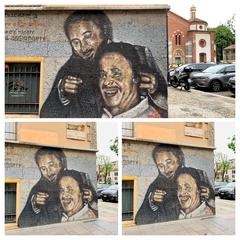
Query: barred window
[[10, 202], [22, 82]]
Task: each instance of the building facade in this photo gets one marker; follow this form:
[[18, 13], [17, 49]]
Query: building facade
[[74, 142], [189, 41], [196, 141], [229, 54]]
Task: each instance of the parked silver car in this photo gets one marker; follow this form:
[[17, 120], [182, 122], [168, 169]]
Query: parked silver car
[[214, 78], [231, 85]]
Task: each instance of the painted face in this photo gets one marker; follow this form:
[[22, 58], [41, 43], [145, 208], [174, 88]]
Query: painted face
[[188, 194], [70, 195], [85, 38], [167, 163], [116, 80], [50, 166]]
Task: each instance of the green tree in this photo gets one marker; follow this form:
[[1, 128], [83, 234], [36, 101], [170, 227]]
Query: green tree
[[105, 166], [114, 145], [232, 143], [222, 165], [223, 38]]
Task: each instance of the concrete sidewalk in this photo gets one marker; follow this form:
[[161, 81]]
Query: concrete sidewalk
[[199, 104], [106, 224], [221, 224]]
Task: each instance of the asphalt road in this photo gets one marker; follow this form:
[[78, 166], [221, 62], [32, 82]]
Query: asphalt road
[[225, 93], [199, 104]]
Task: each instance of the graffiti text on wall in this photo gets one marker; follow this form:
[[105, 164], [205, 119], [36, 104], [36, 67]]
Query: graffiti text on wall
[[24, 35], [24, 27], [10, 163]]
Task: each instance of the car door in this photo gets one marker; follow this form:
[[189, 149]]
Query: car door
[[229, 72]]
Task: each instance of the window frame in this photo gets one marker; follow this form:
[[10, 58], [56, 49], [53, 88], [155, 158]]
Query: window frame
[[40, 60], [17, 182], [135, 180]]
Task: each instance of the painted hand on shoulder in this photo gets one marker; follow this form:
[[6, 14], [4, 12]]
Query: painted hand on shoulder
[[40, 198], [158, 196], [205, 193], [148, 82], [70, 84], [88, 196]]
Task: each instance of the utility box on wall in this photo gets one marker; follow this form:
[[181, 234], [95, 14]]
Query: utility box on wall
[[166, 180], [47, 47]]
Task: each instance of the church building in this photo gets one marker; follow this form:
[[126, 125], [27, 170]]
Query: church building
[[189, 41]]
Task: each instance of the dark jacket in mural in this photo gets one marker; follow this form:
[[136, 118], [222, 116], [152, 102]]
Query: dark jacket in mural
[[167, 211], [88, 102], [49, 213]]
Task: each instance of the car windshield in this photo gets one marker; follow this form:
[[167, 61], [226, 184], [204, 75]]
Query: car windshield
[[214, 69], [219, 183], [99, 186], [230, 185], [181, 67], [113, 187]]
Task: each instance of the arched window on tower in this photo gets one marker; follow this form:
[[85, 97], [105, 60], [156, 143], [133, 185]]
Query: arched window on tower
[[178, 39]]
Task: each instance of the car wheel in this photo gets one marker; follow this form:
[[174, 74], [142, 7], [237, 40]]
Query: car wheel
[[221, 197], [174, 82], [215, 86]]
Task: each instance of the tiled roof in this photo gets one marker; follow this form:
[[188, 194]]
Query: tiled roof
[[230, 47]]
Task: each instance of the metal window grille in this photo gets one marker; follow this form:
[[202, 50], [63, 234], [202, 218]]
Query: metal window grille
[[10, 131], [22, 87], [127, 200], [10, 202], [127, 129]]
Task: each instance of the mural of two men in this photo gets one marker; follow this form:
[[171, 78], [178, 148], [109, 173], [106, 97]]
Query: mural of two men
[[103, 78], [60, 194], [178, 192]]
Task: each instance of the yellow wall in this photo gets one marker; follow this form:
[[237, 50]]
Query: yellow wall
[[177, 133], [54, 134]]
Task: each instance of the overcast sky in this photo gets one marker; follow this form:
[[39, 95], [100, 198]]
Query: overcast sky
[[224, 130], [106, 131], [213, 11]]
